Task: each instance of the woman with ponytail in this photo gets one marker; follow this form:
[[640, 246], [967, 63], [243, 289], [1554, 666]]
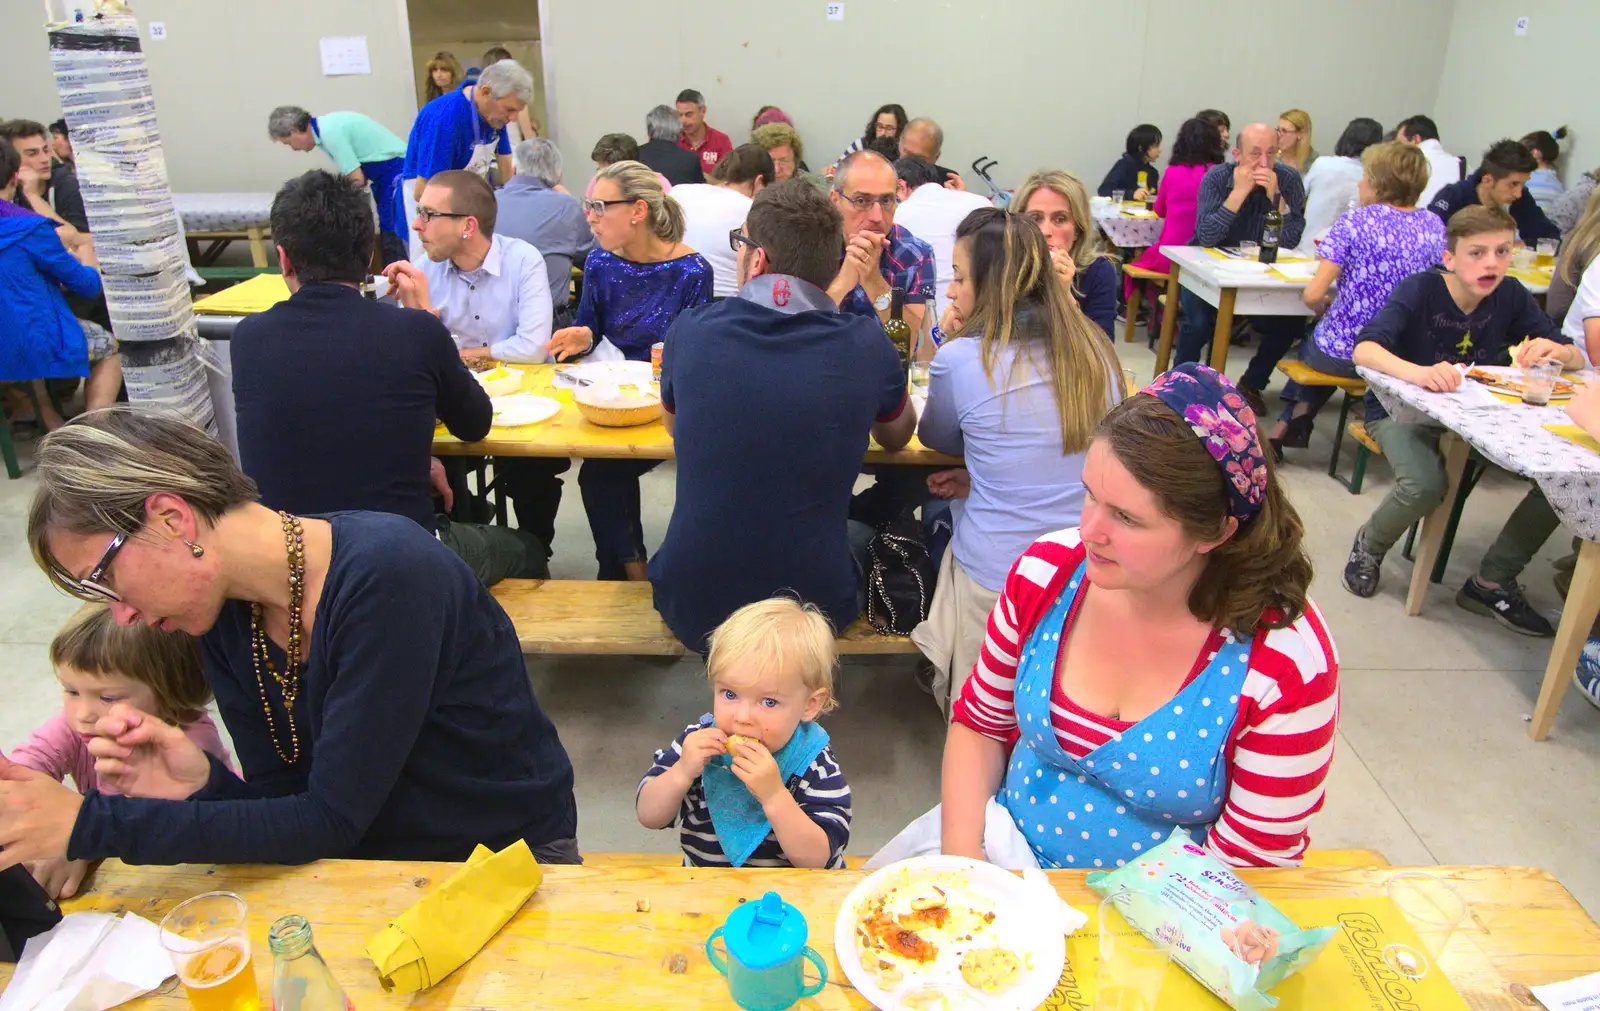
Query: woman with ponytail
[[1160, 664], [1544, 185], [1017, 388], [634, 286]]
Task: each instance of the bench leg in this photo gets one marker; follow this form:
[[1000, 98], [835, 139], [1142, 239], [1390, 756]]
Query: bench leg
[[258, 247], [1358, 472], [8, 450], [1130, 318], [1169, 322], [1577, 615], [1338, 436]]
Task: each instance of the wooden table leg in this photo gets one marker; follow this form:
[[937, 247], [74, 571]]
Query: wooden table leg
[[1455, 451], [1577, 617], [1130, 317], [1169, 321], [258, 247], [1222, 335]]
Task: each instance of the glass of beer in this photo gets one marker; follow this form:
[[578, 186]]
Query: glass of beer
[[208, 939], [1545, 253]]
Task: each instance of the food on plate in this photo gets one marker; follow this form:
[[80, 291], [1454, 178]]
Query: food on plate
[[1508, 383], [990, 969], [1232, 940], [926, 926], [486, 365]]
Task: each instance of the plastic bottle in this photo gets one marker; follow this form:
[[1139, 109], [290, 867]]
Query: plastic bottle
[[301, 980]]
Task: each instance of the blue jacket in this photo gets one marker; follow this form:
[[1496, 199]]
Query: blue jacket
[[1532, 225], [39, 336]]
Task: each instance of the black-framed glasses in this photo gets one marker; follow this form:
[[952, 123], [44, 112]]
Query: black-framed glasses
[[737, 237], [93, 586], [864, 201], [598, 207], [427, 214]]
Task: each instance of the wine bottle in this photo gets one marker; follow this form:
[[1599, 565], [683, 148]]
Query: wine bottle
[[898, 329], [1271, 235]]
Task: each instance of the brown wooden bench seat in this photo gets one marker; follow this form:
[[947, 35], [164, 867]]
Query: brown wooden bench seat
[[583, 617]]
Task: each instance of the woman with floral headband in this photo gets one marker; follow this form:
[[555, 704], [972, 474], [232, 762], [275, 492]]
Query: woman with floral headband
[[1160, 664]]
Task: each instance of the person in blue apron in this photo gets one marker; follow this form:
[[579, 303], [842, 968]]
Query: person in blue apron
[[1160, 664], [465, 129], [363, 150]]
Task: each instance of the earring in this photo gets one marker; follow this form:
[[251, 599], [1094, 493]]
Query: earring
[[195, 549]]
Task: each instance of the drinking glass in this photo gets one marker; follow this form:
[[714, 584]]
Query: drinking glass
[[1407, 961], [1433, 908], [1522, 258], [1546, 253], [208, 940], [1539, 382], [1116, 197], [1249, 250], [1133, 967], [1130, 385], [919, 379]]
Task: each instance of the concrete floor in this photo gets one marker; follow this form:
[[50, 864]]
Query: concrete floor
[[1433, 765]]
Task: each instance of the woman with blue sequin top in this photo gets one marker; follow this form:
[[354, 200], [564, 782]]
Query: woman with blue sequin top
[[634, 286]]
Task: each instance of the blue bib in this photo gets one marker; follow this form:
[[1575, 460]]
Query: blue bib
[[1126, 795], [736, 815]]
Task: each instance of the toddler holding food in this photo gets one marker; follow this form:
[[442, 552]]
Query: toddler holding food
[[754, 782], [101, 664]]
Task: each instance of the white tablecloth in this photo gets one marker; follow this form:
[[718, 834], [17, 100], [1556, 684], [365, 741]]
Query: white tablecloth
[[1511, 436], [223, 212], [1124, 231]]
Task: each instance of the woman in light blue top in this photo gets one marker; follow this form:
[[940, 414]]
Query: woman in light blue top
[[1017, 390]]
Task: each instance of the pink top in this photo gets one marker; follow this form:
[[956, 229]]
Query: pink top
[[1178, 202], [56, 750]]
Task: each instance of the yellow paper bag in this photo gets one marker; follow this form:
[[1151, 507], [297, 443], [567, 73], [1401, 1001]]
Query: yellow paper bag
[[456, 919]]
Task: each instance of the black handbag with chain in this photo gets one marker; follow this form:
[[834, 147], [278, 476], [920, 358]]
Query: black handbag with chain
[[900, 582]]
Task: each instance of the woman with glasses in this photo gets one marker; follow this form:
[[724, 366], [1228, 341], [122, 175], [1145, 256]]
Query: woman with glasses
[[1017, 388], [1294, 140], [373, 690], [888, 123], [634, 286], [1059, 204]]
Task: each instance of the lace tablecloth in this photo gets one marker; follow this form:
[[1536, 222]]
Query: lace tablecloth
[[1126, 232], [1512, 436], [223, 212]]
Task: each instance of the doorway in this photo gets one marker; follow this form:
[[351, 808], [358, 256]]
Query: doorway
[[466, 28]]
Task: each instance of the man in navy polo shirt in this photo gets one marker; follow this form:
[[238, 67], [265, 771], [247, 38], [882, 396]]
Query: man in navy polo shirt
[[774, 393], [465, 129], [878, 254]]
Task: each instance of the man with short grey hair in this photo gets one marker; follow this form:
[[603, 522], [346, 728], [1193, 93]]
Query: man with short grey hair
[[549, 220], [923, 138], [662, 153], [363, 150], [465, 129], [708, 143]]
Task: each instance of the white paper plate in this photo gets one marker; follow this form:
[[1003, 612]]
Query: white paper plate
[[1027, 921], [614, 373], [520, 409]]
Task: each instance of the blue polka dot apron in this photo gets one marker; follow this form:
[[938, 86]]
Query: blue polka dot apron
[[1126, 795]]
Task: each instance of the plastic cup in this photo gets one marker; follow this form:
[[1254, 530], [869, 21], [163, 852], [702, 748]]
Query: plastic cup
[[1117, 195], [1539, 382], [919, 378], [208, 939], [1249, 250], [1129, 383], [1434, 909], [1522, 258], [1132, 967], [1545, 252], [1407, 961]]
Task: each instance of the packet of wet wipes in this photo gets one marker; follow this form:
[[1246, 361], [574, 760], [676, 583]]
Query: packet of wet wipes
[[1233, 940]]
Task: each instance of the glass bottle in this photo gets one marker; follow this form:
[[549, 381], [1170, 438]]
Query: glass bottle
[[1271, 235], [301, 980], [897, 328]]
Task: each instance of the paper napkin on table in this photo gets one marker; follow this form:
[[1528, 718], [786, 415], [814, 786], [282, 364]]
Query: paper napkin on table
[[1572, 433], [88, 962], [455, 920]]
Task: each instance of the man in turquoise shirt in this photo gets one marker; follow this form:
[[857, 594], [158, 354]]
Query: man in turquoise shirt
[[364, 151]]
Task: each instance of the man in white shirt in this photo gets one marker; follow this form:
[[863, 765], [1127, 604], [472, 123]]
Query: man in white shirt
[[1444, 168], [932, 211], [492, 291], [712, 210]]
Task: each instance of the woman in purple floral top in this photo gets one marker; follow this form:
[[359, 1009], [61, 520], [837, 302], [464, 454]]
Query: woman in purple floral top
[[1368, 250]]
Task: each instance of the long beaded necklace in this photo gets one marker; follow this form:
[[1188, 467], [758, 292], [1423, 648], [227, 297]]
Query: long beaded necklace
[[289, 680]]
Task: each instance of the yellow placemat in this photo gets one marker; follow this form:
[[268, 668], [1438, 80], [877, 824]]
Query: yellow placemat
[[1572, 433], [1283, 257], [1349, 975], [1533, 275], [255, 295]]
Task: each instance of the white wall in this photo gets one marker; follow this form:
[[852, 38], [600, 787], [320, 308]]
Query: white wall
[[1030, 82], [1498, 84], [224, 66]]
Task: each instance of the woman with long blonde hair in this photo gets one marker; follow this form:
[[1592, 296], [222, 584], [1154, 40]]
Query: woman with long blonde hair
[[635, 285], [1058, 203], [1017, 388], [441, 76], [1577, 252], [1294, 140]]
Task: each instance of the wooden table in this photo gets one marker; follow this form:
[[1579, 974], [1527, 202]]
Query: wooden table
[[569, 434], [1512, 436], [581, 941], [1204, 273]]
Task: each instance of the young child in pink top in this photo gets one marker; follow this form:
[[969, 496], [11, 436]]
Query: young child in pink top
[[100, 664]]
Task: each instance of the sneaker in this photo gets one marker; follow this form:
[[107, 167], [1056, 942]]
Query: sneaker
[[1586, 677], [1361, 568], [1505, 604]]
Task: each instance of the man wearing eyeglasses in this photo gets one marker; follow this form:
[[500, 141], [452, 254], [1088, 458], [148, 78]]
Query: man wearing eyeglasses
[[763, 488], [879, 254]]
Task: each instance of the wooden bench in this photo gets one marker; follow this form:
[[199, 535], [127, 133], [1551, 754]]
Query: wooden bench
[[1313, 858], [1354, 390], [582, 617], [1139, 275]]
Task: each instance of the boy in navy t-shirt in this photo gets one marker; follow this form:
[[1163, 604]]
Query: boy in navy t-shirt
[[1432, 323]]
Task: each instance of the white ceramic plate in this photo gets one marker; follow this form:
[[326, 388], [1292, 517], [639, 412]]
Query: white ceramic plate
[[522, 409], [1027, 922]]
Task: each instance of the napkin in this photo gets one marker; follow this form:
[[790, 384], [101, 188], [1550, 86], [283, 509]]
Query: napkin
[[88, 962], [1572, 433], [453, 922]]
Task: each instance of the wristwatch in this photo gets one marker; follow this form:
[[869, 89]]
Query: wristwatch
[[881, 302]]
